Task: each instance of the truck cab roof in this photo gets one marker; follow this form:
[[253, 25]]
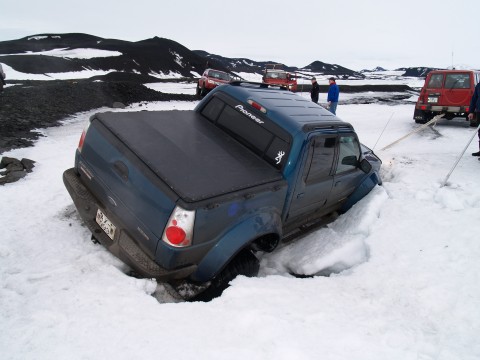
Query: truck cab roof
[[291, 111]]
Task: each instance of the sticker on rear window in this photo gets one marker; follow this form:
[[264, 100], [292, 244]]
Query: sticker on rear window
[[249, 114]]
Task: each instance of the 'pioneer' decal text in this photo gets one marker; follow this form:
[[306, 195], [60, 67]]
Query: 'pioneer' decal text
[[249, 114]]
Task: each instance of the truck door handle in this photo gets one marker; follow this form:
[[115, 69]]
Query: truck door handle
[[301, 195]]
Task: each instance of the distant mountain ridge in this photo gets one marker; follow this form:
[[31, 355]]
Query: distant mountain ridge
[[149, 59], [252, 66]]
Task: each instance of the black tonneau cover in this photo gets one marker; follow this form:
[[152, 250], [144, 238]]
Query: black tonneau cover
[[190, 154]]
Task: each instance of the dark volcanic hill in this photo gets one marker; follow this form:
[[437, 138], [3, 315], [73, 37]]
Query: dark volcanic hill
[[156, 55], [319, 67], [251, 66], [242, 64], [418, 71]]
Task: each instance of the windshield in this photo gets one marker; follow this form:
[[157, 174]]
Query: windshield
[[276, 75], [219, 75]]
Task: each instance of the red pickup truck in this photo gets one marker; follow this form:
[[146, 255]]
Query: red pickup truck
[[446, 92], [280, 78], [210, 79]]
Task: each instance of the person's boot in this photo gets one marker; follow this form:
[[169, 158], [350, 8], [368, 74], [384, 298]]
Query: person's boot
[[476, 154]]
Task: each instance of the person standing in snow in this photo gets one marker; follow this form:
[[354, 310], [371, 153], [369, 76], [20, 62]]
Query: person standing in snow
[[2, 78], [314, 91], [332, 97], [474, 111]]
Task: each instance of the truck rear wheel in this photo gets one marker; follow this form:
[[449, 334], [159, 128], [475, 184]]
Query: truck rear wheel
[[244, 263]]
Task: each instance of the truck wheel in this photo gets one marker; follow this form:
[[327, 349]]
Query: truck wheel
[[203, 91], [197, 91], [420, 116], [245, 263]]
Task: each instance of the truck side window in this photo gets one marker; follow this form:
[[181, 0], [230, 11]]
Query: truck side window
[[323, 149], [213, 109], [435, 81], [349, 153]]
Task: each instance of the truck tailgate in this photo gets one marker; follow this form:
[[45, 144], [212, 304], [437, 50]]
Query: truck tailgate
[[192, 156]]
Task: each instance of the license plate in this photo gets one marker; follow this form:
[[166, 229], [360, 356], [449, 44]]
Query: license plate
[[432, 99], [105, 224]]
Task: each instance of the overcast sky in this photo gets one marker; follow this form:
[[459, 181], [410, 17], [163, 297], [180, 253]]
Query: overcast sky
[[356, 34]]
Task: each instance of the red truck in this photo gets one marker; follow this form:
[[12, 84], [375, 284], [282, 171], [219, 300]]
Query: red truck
[[446, 92], [210, 79], [279, 77]]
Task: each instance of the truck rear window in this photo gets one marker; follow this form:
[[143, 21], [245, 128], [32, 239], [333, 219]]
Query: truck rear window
[[436, 81], [253, 130], [457, 81]]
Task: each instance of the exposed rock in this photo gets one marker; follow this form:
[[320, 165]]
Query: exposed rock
[[41, 104], [14, 169]]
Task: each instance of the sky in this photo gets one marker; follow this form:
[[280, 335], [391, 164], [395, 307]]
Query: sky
[[405, 284], [350, 33]]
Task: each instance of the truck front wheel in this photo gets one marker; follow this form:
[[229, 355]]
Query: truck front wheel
[[244, 263]]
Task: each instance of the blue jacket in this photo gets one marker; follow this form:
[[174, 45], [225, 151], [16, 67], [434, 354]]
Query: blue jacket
[[475, 102], [333, 92]]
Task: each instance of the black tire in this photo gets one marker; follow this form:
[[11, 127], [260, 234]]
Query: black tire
[[244, 263], [203, 91], [197, 91], [420, 116]]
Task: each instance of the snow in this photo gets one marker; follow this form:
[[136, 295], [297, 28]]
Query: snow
[[84, 74], [174, 88], [169, 75], [82, 53], [403, 265]]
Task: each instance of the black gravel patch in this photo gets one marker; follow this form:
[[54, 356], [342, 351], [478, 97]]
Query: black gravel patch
[[41, 104]]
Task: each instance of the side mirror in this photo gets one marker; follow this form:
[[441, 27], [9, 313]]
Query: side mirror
[[365, 166]]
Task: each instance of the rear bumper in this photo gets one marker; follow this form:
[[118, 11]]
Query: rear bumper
[[122, 246], [442, 109]]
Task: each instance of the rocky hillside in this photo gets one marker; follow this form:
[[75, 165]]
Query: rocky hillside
[[158, 57], [146, 57]]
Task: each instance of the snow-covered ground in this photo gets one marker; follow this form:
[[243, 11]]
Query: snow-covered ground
[[84, 74], [174, 88], [81, 53], [405, 281]]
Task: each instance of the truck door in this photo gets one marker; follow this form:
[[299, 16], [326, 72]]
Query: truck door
[[347, 175], [457, 89], [314, 185]]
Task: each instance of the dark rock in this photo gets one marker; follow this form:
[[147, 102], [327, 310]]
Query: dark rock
[[28, 164], [40, 104], [118, 105], [15, 169]]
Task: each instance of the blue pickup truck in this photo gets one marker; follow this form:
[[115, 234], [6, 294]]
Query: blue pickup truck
[[189, 197]]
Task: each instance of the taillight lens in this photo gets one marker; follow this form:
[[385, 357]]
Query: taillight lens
[[257, 106], [82, 138], [179, 229]]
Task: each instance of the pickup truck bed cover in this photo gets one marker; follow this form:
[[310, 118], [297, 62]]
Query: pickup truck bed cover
[[191, 155]]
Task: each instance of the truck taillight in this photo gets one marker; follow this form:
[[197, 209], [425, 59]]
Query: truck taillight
[[179, 229], [257, 106], [82, 138]]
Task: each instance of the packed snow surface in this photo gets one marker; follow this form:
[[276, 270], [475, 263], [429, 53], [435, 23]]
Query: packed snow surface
[[83, 53], [403, 267]]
